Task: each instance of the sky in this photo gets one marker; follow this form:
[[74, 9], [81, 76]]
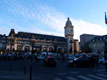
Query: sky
[[49, 16]]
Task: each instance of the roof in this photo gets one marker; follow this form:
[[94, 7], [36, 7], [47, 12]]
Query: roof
[[88, 35], [12, 32], [68, 22], [40, 36], [99, 38], [3, 36]]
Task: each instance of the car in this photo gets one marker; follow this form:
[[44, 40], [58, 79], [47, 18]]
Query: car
[[101, 60], [83, 61], [70, 63], [40, 58], [43, 53], [77, 55], [70, 57], [49, 61]]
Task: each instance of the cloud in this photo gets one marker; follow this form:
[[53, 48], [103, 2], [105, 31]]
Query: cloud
[[44, 13], [54, 19], [50, 17], [81, 27]]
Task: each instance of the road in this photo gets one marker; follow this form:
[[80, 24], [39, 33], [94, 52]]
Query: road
[[40, 72]]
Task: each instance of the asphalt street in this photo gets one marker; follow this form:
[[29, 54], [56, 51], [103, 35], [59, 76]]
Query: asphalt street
[[15, 70]]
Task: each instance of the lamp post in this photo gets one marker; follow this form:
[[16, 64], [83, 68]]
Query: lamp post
[[30, 76], [47, 50], [105, 48]]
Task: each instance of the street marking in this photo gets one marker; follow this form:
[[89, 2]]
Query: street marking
[[57, 79], [96, 77], [85, 78], [102, 75], [71, 78]]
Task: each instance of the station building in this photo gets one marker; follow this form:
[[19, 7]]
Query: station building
[[25, 41], [3, 43]]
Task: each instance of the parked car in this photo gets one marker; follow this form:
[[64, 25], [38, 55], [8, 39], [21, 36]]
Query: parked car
[[49, 61]]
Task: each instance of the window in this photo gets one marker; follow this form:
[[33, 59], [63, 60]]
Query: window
[[19, 47], [104, 38], [19, 41], [3, 41], [27, 42]]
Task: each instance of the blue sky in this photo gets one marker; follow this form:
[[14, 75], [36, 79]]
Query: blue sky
[[49, 16]]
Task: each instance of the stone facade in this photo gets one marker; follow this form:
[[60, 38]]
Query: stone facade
[[23, 41], [76, 46], [84, 39], [98, 45], [3, 42], [69, 33]]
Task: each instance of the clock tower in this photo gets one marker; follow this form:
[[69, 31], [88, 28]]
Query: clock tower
[[69, 33]]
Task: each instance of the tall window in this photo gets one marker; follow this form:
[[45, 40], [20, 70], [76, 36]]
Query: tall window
[[19, 47]]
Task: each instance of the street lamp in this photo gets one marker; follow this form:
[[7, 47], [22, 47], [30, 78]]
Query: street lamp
[[105, 49], [47, 50], [30, 76]]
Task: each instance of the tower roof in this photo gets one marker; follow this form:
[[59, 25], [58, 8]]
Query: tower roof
[[68, 22], [12, 32]]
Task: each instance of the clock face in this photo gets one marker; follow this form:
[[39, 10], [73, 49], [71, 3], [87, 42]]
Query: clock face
[[68, 31]]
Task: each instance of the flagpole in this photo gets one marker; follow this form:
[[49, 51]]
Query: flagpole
[[105, 18], [105, 48]]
